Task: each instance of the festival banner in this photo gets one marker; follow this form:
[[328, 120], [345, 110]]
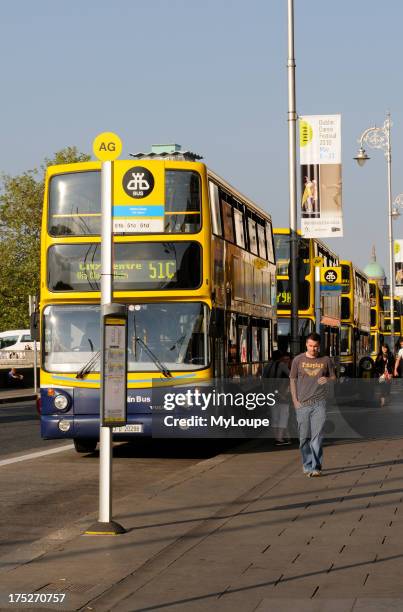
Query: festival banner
[[399, 267], [320, 160]]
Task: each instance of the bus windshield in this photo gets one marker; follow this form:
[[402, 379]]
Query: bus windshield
[[282, 252], [176, 333], [345, 278], [75, 203]]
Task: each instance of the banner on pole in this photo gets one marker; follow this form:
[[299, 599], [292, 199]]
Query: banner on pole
[[320, 160], [399, 267]]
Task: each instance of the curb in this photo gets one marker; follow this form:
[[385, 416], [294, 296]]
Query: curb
[[9, 399]]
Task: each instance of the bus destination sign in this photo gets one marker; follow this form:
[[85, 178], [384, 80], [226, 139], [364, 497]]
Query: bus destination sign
[[140, 271]]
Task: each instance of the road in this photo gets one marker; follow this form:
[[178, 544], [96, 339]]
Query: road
[[51, 492]]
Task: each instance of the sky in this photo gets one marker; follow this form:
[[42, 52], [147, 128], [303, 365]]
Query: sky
[[210, 75]]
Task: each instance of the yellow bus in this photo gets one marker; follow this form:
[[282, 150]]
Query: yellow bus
[[377, 317], [396, 322], [308, 249], [355, 319], [200, 290]]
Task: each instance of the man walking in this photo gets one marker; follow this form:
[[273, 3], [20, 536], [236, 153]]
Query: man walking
[[308, 379]]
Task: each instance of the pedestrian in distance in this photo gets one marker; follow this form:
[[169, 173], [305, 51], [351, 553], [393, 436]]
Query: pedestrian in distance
[[399, 359], [276, 368], [14, 378], [384, 368], [310, 375]]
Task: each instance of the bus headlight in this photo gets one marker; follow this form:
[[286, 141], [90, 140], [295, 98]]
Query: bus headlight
[[61, 402], [64, 425], [366, 363]]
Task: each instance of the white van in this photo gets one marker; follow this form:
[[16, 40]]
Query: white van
[[16, 340]]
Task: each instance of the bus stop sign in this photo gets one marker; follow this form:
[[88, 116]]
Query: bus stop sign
[[330, 280]]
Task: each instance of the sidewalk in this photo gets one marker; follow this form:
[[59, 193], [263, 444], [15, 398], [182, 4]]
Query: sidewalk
[[16, 395], [242, 531]]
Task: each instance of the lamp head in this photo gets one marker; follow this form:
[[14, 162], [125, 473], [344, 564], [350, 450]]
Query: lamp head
[[361, 157]]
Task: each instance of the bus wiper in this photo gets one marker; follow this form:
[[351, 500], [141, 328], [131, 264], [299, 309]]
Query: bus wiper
[[87, 367], [162, 368], [178, 342]]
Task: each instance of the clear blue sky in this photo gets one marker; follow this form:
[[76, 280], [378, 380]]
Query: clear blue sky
[[211, 76]]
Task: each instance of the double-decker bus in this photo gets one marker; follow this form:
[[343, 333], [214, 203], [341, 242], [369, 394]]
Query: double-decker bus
[[377, 317], [355, 319], [387, 337], [200, 291], [308, 249]]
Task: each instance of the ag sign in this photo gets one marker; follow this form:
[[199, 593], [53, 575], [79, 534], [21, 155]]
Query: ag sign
[[330, 280]]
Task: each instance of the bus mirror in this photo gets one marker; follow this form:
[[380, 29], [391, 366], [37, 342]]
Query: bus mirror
[[34, 324], [213, 330], [216, 327]]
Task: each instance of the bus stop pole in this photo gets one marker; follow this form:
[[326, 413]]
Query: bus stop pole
[[317, 300], [105, 524], [105, 433], [33, 306]]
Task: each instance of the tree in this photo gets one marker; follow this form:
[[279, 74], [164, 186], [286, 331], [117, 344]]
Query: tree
[[21, 202]]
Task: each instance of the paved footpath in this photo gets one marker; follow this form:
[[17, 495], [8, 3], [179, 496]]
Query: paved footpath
[[243, 531]]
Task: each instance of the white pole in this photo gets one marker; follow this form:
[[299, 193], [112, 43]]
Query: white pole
[[32, 306], [105, 433], [317, 300], [35, 367], [391, 250]]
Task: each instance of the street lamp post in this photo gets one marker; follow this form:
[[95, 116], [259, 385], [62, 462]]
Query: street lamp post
[[292, 174], [379, 138]]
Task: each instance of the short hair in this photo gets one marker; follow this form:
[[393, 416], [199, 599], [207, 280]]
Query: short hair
[[277, 355], [313, 336]]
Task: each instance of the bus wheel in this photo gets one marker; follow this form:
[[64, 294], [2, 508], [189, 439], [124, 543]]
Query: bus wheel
[[85, 445]]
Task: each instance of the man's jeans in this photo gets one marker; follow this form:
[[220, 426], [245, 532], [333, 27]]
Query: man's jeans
[[311, 420]]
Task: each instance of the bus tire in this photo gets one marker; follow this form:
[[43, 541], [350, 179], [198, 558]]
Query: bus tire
[[85, 445]]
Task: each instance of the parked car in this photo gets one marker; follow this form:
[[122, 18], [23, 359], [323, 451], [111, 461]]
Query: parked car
[[17, 340]]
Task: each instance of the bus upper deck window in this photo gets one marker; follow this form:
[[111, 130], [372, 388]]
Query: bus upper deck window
[[239, 228], [182, 202], [262, 241], [228, 221], [215, 208], [252, 236], [269, 242], [75, 204]]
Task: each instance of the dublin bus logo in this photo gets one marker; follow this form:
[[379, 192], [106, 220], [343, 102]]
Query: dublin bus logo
[[138, 182]]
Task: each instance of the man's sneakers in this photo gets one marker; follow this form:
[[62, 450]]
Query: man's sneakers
[[282, 442], [311, 473]]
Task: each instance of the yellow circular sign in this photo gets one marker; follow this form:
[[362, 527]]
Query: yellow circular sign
[[397, 246], [107, 146]]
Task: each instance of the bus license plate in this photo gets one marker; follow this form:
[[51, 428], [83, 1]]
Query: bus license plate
[[132, 428]]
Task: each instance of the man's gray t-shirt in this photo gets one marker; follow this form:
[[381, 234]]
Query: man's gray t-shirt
[[306, 371]]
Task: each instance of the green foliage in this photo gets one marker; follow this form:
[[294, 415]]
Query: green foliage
[[21, 202]]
